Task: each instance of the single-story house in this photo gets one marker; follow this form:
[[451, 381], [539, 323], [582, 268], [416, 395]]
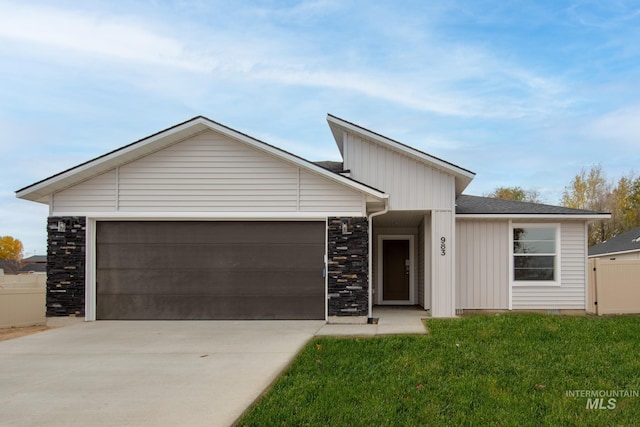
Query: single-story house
[[34, 264], [623, 246], [201, 221]]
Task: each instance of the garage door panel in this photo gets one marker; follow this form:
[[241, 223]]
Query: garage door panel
[[210, 270], [181, 307], [192, 232], [229, 282], [213, 257]]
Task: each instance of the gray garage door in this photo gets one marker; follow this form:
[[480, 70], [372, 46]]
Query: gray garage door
[[210, 270]]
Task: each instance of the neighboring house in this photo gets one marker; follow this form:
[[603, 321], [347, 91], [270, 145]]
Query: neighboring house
[[34, 264], [200, 221], [9, 266], [623, 246]]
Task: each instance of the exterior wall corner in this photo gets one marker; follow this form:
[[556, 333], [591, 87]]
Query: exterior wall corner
[[66, 245], [347, 266]]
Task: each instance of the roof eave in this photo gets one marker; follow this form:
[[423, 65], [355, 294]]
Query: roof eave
[[463, 177], [628, 251], [40, 191], [112, 159], [533, 216]]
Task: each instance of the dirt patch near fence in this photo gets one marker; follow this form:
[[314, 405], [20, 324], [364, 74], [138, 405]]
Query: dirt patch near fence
[[10, 333]]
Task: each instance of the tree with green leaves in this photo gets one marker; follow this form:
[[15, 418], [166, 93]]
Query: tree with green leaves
[[516, 193]]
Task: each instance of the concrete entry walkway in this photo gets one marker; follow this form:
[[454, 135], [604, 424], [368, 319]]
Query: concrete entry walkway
[[391, 321], [144, 373]]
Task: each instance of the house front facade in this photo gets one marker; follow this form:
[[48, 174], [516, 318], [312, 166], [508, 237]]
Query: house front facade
[[200, 221]]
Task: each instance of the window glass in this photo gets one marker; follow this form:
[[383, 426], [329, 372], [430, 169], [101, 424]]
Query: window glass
[[534, 253]]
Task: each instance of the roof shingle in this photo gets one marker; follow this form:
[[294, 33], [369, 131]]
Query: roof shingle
[[625, 242], [466, 204]]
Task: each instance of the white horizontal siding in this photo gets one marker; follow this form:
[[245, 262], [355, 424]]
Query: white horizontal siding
[[209, 173], [482, 264], [411, 184], [571, 292], [320, 195], [95, 195]]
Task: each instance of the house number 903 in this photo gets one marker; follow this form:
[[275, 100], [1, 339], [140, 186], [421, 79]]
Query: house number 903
[[443, 246]]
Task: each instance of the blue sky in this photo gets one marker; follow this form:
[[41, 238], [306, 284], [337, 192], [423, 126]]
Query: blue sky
[[522, 93]]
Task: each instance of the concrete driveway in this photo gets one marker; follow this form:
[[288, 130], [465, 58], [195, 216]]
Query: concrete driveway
[[144, 373]]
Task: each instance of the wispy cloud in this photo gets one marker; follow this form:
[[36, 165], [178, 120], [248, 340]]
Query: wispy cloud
[[603, 15], [620, 126], [118, 38], [446, 78]]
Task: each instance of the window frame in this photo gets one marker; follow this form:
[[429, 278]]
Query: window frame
[[556, 265]]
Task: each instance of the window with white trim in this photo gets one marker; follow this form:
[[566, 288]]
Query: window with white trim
[[535, 253]]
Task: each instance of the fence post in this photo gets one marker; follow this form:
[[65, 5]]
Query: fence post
[[597, 276]]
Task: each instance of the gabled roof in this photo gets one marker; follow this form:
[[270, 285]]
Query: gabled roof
[[40, 191], [35, 259], [475, 206], [463, 177], [625, 242]]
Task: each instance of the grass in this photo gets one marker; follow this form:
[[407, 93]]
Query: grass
[[505, 370]]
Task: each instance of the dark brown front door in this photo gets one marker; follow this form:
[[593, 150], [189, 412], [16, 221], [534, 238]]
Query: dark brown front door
[[395, 270], [210, 270]]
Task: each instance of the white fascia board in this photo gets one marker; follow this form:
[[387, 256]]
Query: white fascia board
[[108, 161], [440, 164], [607, 254], [557, 217], [217, 216], [111, 160]]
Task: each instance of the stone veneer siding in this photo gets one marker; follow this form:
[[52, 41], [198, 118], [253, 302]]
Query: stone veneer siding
[[348, 264], [66, 266]]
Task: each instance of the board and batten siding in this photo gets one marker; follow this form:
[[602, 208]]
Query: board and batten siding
[[424, 269], [482, 264], [443, 293], [571, 293], [410, 183], [209, 173]]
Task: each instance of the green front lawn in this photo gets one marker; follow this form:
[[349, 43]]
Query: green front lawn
[[506, 370]]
